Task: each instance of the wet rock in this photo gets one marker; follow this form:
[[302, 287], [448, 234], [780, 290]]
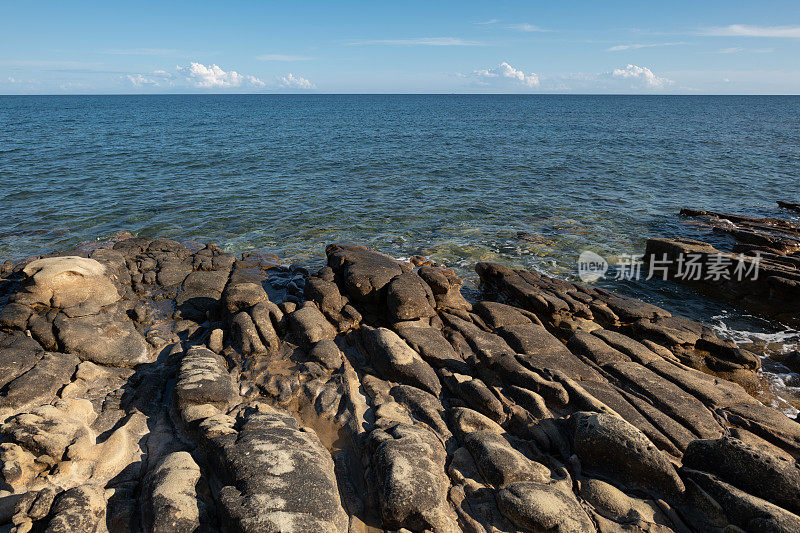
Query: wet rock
[[396, 360]]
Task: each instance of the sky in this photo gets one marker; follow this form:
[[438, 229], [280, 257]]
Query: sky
[[143, 47]]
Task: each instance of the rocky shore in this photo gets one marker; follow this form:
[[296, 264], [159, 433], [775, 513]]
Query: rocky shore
[[768, 246], [150, 386]]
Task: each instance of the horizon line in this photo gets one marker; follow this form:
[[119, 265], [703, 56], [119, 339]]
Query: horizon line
[[397, 94]]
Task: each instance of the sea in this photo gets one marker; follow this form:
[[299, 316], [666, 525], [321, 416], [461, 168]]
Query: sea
[[526, 180]]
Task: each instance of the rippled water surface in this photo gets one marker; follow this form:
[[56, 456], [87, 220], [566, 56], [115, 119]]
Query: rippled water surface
[[526, 180]]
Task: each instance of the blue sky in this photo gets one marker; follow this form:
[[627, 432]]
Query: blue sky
[[698, 47]]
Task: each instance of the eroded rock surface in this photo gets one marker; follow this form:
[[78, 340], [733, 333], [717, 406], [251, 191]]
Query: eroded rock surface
[[151, 386]]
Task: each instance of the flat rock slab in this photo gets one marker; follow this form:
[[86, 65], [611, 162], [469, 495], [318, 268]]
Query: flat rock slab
[[107, 338]]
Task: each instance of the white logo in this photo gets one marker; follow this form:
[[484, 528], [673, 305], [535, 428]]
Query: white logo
[[591, 266]]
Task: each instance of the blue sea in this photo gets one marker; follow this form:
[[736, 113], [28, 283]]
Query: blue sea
[[527, 180]]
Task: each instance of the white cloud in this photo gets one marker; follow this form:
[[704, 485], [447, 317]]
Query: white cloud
[[290, 81], [504, 70], [282, 57], [213, 76], [421, 41], [641, 74], [140, 81], [527, 27], [730, 50], [623, 47], [744, 30], [490, 21], [162, 74]]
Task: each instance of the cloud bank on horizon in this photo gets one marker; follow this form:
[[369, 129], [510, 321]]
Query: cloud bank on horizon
[[451, 47]]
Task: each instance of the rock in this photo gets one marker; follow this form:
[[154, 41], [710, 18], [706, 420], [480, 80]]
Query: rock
[[595, 348], [744, 510], [107, 338], [411, 485], [81, 509], [752, 469], [40, 383], [543, 507], [309, 326], [215, 340], [446, 287], [245, 335], [409, 298], [531, 339], [365, 273], [173, 501], [433, 348], [15, 316], [242, 296], [499, 463], [268, 318], [467, 421], [201, 293], [77, 284], [50, 430], [173, 272], [18, 354], [326, 353], [615, 505], [497, 315], [610, 446], [203, 379], [277, 476], [396, 360], [424, 406]]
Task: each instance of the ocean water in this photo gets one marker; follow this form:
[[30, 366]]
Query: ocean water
[[524, 180]]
